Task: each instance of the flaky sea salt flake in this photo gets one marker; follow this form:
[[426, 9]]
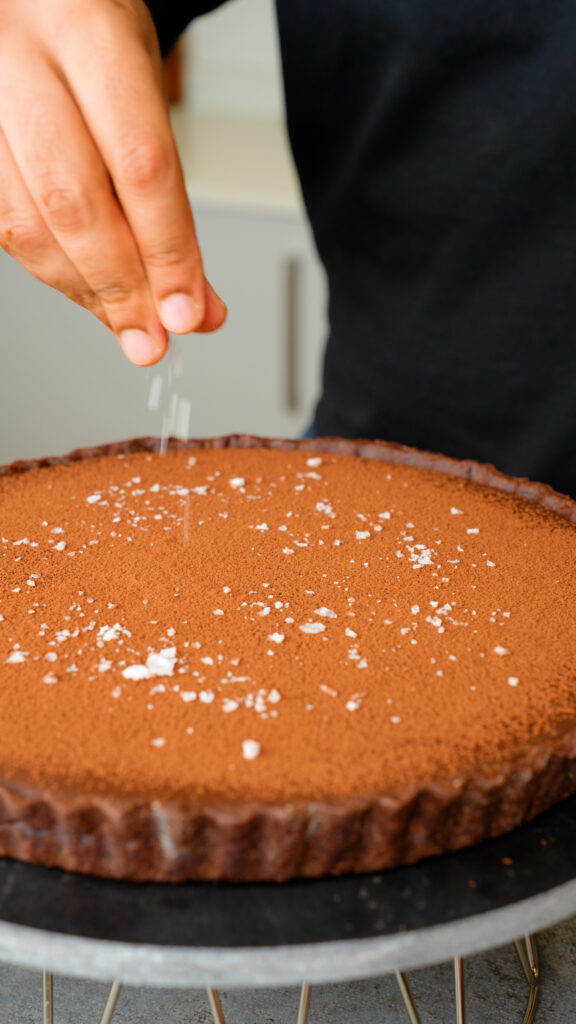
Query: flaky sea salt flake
[[250, 749], [276, 638], [136, 672], [229, 705], [16, 656]]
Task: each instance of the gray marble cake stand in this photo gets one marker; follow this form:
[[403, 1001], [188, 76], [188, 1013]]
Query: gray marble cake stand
[[331, 930], [173, 966]]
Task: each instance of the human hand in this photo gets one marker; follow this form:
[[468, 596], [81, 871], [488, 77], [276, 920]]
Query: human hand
[[92, 196]]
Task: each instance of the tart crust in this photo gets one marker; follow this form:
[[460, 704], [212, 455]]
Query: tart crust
[[127, 838]]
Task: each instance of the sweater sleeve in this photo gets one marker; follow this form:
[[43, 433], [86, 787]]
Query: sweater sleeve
[[173, 17]]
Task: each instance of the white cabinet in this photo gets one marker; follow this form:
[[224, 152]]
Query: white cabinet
[[65, 384], [261, 370]]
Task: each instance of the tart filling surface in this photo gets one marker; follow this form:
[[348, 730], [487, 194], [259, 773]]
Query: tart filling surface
[[249, 661]]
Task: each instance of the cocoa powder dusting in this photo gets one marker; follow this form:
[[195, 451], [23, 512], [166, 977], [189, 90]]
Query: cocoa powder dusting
[[275, 624]]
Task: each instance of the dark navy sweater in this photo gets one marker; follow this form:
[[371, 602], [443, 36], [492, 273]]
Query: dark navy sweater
[[436, 148]]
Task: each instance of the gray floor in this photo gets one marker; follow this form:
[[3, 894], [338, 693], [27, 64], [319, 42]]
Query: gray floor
[[495, 986]]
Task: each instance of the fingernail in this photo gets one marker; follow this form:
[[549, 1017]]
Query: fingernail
[[140, 348], [179, 313]]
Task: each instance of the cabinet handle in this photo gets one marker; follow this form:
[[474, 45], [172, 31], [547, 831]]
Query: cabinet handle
[[292, 286]]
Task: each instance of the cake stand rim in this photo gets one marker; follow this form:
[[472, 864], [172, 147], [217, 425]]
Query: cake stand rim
[[267, 966]]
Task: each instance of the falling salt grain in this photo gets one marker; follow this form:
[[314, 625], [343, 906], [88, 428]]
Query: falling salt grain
[[313, 627], [316, 461], [513, 681], [237, 481], [182, 426], [472, 529], [158, 742], [395, 720], [154, 394], [500, 650]]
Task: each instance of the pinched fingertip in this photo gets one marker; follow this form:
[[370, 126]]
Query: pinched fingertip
[[141, 348], [180, 313]]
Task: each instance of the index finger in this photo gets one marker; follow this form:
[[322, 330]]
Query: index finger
[[114, 78]]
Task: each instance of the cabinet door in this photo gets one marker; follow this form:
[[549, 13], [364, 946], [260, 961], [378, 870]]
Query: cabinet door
[[260, 373], [64, 382]]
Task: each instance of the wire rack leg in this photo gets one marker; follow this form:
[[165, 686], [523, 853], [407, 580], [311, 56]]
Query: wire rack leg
[[304, 1004], [111, 1002], [459, 990], [47, 998], [216, 1009], [407, 997], [528, 956]]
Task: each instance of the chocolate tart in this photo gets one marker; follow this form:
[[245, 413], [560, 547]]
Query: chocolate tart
[[410, 691]]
